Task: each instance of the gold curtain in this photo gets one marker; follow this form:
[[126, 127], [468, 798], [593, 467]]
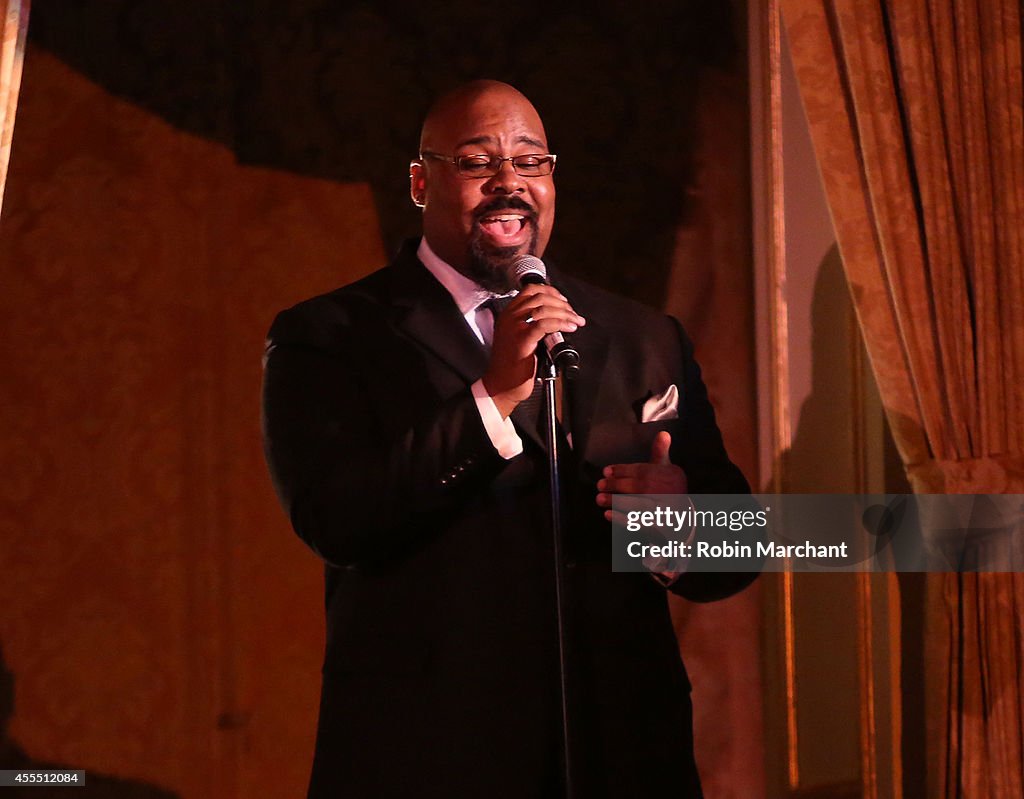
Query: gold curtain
[[12, 55], [915, 110]]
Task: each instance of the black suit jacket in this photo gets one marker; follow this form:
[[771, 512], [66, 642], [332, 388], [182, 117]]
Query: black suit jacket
[[441, 664]]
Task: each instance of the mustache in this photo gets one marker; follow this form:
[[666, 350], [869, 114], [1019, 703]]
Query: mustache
[[505, 203]]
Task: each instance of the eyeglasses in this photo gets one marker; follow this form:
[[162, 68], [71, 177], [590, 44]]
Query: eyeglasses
[[532, 165]]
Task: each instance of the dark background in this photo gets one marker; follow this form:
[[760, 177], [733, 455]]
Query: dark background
[[338, 90]]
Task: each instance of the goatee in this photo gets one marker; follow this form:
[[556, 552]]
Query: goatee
[[490, 266]]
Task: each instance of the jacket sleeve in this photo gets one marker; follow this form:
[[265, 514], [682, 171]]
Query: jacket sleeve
[[359, 479]]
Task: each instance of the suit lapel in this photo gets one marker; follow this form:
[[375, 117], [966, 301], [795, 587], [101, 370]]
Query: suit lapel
[[428, 314], [591, 341]]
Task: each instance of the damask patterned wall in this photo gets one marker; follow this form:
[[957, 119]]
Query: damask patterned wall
[[160, 620], [181, 172]]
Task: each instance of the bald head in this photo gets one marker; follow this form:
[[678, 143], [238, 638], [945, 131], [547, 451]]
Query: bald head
[[479, 223], [460, 106]]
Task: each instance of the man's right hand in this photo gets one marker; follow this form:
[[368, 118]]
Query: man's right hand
[[535, 312]]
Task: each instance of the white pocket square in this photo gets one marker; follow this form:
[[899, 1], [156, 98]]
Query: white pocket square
[[661, 406]]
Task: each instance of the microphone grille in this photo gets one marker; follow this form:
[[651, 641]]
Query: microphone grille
[[523, 265]]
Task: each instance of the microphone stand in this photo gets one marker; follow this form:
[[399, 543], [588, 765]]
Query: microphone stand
[[546, 368]]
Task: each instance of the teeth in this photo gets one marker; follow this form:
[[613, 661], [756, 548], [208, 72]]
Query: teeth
[[504, 218]]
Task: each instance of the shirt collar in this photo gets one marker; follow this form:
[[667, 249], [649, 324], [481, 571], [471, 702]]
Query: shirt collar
[[468, 295]]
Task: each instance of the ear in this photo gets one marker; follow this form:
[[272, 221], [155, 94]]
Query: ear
[[418, 183]]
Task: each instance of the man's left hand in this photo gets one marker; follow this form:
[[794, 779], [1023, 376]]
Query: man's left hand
[[659, 476]]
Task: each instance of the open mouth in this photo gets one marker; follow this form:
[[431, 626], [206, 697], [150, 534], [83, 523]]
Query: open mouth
[[504, 228]]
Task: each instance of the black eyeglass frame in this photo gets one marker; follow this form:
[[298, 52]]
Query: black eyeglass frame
[[494, 163]]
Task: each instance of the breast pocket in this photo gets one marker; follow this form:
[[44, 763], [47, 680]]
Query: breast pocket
[[625, 442]]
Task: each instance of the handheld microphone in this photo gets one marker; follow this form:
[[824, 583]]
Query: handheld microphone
[[528, 270]]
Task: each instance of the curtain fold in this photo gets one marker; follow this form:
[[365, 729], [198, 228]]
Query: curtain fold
[[915, 110], [12, 56]]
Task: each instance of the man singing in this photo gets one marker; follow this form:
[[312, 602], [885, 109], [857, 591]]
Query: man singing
[[404, 441]]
